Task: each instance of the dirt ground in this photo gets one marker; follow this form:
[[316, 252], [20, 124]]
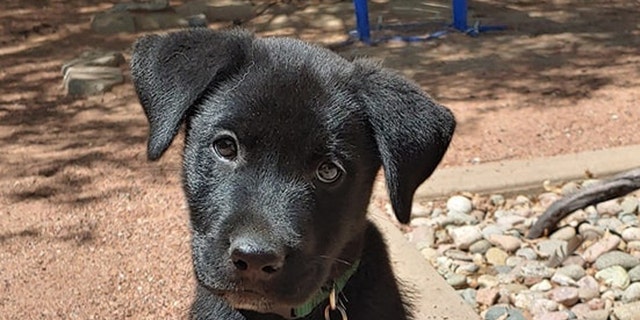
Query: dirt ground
[[90, 230]]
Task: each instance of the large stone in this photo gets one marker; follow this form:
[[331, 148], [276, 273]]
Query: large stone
[[95, 58], [138, 5], [113, 22], [158, 20], [463, 237], [627, 311], [614, 276], [91, 80], [218, 10]]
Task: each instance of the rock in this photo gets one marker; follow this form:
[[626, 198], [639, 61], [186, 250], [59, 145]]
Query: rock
[[491, 230], [610, 207], [563, 280], [521, 201], [480, 246], [546, 248], [627, 311], [634, 274], [507, 243], [458, 255], [527, 253], [541, 306], [632, 293], [556, 315], [564, 234], [159, 20], [95, 58], [467, 268], [582, 311], [629, 219], [510, 221], [590, 232], [588, 288], [496, 257], [536, 270], [463, 237], [457, 281], [633, 246], [542, 286], [574, 260], [569, 188], [501, 312], [91, 80], [616, 258], [606, 244], [148, 5], [457, 218], [420, 221], [548, 198], [487, 296], [614, 276], [524, 300], [574, 272], [514, 261], [218, 10], [567, 296], [197, 21], [488, 281], [629, 205], [631, 234], [496, 200], [113, 22], [419, 210], [468, 295], [459, 204], [612, 223]]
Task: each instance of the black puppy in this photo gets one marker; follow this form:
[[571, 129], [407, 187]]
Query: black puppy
[[283, 142]]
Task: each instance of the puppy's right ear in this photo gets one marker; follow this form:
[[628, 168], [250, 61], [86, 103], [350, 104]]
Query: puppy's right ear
[[171, 72]]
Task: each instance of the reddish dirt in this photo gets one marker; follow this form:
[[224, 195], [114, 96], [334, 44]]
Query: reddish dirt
[[90, 230]]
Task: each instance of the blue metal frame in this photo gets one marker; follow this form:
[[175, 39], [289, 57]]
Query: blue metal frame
[[459, 12]]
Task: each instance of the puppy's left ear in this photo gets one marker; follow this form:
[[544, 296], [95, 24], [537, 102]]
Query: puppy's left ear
[[411, 130]]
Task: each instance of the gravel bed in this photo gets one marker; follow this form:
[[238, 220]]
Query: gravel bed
[[588, 269]]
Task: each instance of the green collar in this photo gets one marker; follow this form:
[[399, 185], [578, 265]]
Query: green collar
[[324, 292]]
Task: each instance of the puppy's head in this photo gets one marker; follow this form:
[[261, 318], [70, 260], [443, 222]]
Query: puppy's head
[[283, 142]]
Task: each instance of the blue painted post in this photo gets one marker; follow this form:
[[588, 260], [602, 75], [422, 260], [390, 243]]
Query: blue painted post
[[459, 9], [362, 20]]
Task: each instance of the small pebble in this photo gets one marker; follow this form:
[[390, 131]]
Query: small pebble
[[627, 311], [606, 244], [488, 281], [457, 281], [615, 276], [491, 230], [480, 246], [563, 280], [634, 274], [629, 205], [496, 256], [469, 296], [574, 272], [487, 296], [527, 253], [497, 199], [631, 234], [556, 315], [564, 234], [501, 312], [588, 288], [548, 198], [543, 286], [569, 188], [610, 207], [459, 204], [506, 243], [463, 237], [632, 293], [614, 258], [567, 296]]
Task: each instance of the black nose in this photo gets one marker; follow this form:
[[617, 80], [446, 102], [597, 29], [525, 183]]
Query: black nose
[[255, 261]]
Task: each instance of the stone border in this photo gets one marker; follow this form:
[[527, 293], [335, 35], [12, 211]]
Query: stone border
[[527, 176]]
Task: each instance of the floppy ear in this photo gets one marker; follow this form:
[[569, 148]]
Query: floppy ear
[[171, 72], [411, 130]]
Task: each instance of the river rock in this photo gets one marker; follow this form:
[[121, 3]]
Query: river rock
[[463, 237], [618, 258], [615, 276]]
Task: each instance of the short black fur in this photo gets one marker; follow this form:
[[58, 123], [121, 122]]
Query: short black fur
[[282, 210]]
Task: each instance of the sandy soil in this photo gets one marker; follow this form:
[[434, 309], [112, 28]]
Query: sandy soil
[[90, 230]]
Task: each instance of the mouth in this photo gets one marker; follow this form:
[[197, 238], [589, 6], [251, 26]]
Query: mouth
[[254, 301]]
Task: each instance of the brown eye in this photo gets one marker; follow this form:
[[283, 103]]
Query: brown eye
[[328, 172], [225, 148]]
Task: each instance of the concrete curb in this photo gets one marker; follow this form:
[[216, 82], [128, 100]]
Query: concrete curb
[[526, 176], [432, 297]]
